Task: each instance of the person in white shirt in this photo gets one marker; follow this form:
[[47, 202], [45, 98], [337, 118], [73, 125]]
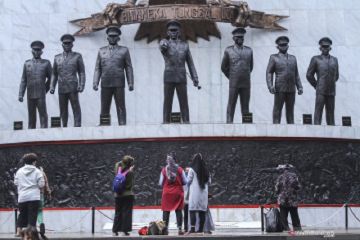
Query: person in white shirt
[[198, 181], [29, 180]]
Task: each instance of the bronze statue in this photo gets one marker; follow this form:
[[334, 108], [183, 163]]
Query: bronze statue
[[326, 69], [111, 63], [36, 80], [287, 78], [67, 66], [237, 65], [176, 53]]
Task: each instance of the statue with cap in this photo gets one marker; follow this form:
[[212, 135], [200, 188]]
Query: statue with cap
[[287, 79], [36, 80], [176, 54], [237, 65], [69, 71], [326, 69], [113, 63]]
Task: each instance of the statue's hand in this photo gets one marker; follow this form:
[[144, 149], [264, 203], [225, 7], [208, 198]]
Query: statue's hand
[[164, 44], [80, 89], [300, 91], [131, 88], [95, 87], [21, 99], [196, 82], [52, 91], [272, 90]]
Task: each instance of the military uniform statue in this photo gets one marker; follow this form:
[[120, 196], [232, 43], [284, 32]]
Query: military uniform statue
[[66, 69], [112, 63], [326, 69], [287, 78], [36, 80], [237, 65], [176, 53]]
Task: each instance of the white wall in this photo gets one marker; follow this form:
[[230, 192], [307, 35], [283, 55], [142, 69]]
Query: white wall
[[23, 21]]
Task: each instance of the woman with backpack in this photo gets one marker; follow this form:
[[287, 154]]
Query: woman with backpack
[[198, 180], [124, 196], [172, 179]]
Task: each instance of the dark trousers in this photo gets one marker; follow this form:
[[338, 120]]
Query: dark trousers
[[284, 212], [181, 91], [179, 218], [193, 220], [40, 105], [186, 217], [244, 102], [28, 213], [119, 96], [123, 214], [64, 99], [279, 99], [329, 103]]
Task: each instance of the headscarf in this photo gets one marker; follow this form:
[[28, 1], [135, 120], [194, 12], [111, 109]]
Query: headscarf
[[171, 168], [199, 166]]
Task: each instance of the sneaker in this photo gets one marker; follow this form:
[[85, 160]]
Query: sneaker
[[180, 232], [115, 234]]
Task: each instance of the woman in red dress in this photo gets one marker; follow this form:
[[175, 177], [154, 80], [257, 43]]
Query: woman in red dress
[[172, 179]]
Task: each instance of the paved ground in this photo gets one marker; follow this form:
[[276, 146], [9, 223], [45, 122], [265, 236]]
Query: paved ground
[[353, 234]]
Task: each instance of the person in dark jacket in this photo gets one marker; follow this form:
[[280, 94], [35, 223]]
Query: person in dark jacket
[[326, 68], [124, 202], [287, 187]]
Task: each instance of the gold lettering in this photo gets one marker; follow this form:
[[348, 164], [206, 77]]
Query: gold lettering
[[151, 14], [201, 13], [194, 13], [162, 14], [123, 18], [133, 16], [207, 13], [158, 14], [186, 13], [140, 15], [180, 13]]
